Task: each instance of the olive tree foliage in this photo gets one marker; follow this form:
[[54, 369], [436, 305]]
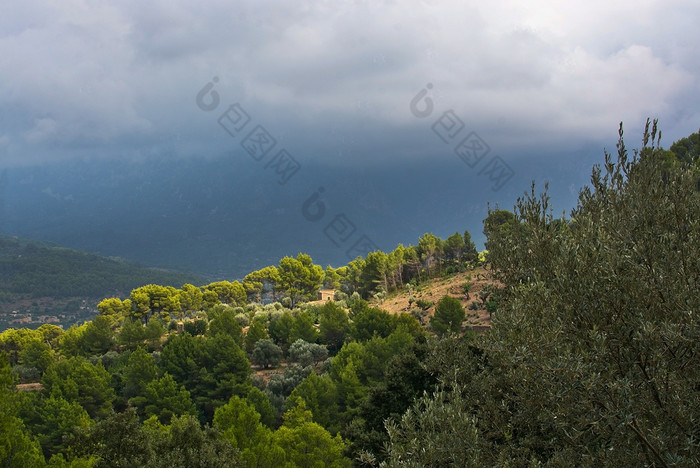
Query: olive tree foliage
[[120, 441], [593, 358], [448, 416], [266, 354], [306, 353]]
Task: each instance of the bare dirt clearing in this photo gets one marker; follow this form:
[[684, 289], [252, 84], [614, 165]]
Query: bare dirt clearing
[[433, 290]]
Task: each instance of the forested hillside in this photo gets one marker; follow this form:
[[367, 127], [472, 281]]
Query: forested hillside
[[64, 285], [592, 357]]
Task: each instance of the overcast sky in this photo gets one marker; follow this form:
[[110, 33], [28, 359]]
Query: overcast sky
[[334, 80]]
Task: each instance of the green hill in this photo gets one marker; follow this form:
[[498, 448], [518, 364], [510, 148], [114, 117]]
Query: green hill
[[42, 282]]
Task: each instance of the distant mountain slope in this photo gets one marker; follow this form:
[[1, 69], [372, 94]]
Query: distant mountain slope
[[224, 217], [63, 285]]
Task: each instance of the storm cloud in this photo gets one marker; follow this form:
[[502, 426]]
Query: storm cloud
[[335, 78]]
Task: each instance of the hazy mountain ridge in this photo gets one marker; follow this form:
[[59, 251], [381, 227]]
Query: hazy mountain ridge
[[224, 217], [42, 282]]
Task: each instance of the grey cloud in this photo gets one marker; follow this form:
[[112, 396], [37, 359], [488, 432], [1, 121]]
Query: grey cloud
[[120, 78]]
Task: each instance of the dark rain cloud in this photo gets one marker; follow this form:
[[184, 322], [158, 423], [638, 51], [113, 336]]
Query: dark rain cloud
[[118, 79]]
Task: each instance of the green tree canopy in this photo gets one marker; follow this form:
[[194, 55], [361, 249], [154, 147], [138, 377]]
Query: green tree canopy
[[454, 248], [266, 354], [498, 225], [320, 396], [375, 273], [470, 254], [139, 372], [306, 353], [430, 251], [164, 398], [222, 319], [300, 279], [212, 369], [449, 315], [687, 149], [280, 329], [76, 380], [231, 293], [14, 341], [256, 331], [163, 301], [98, 337], [331, 278], [115, 309], [120, 440], [17, 448], [37, 354], [590, 360], [191, 300], [262, 283], [306, 443], [132, 334], [53, 419], [334, 326], [303, 328], [370, 321]]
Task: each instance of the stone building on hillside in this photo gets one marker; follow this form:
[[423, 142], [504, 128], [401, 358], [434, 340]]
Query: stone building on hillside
[[325, 295]]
